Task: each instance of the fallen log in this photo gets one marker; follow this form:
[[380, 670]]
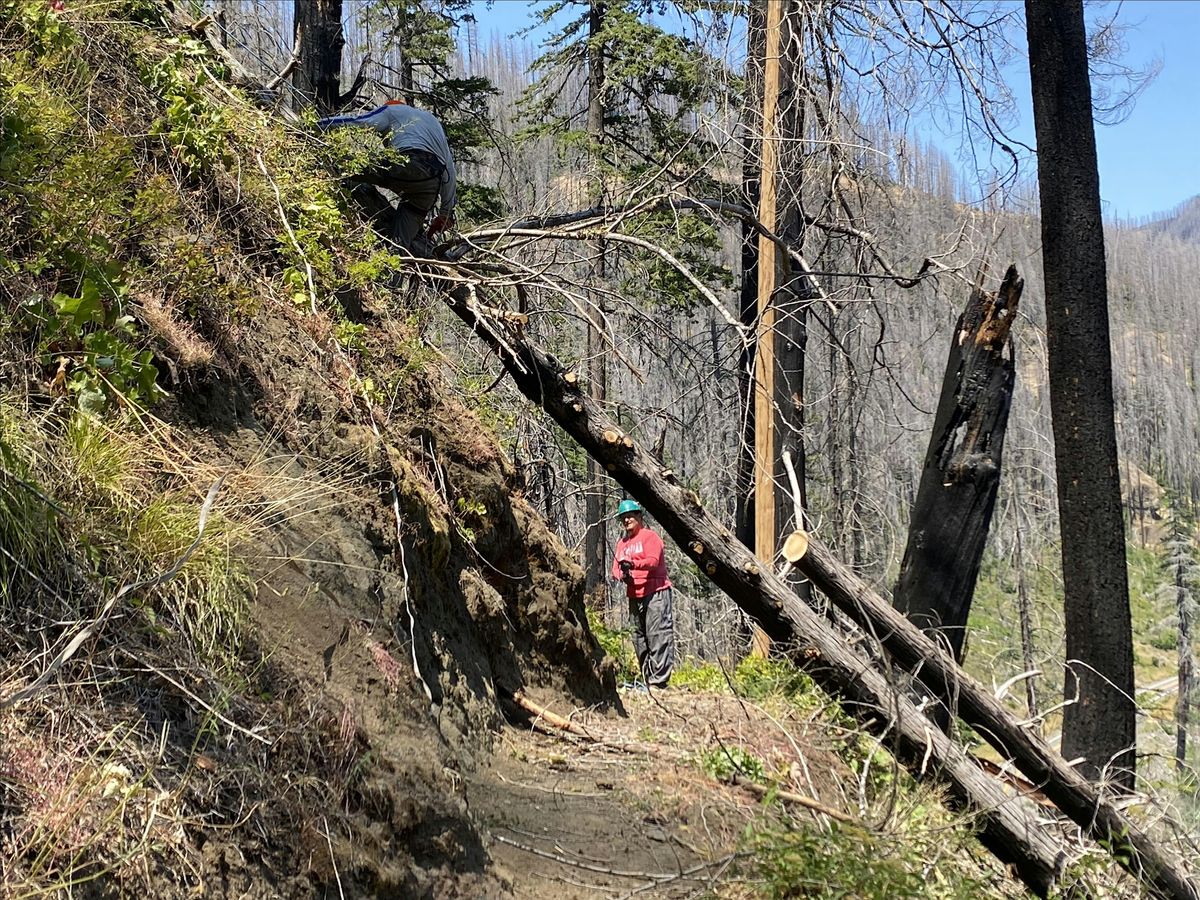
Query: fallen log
[[1009, 828]]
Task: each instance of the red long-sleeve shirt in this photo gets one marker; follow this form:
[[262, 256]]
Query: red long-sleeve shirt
[[645, 551]]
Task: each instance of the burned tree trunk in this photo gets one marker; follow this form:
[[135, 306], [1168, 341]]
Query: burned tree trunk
[[1101, 725], [950, 519], [1007, 826], [596, 510], [318, 31]]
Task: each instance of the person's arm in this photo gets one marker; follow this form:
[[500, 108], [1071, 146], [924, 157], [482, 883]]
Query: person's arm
[[378, 119]]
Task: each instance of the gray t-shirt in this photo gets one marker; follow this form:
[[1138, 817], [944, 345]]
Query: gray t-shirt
[[410, 129]]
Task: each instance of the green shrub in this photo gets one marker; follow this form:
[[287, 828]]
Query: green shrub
[[93, 345], [758, 678], [911, 862], [616, 643], [754, 677], [696, 676], [722, 763]]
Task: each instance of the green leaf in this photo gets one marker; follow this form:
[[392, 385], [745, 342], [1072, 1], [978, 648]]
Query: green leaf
[[91, 397], [85, 309]]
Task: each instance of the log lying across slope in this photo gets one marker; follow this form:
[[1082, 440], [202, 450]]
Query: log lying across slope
[[1008, 827]]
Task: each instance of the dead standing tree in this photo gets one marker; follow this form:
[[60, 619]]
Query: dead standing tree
[[319, 37], [1007, 826], [1101, 725], [953, 510]]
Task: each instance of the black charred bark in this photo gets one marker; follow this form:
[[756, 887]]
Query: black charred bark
[[1101, 725], [318, 24], [953, 510]]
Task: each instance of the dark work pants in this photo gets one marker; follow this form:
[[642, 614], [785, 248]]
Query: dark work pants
[[417, 184], [654, 636]]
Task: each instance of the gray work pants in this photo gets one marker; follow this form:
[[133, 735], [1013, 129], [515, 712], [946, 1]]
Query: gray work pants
[[654, 636], [417, 184]]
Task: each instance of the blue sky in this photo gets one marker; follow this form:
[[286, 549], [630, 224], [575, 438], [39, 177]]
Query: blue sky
[[1149, 163]]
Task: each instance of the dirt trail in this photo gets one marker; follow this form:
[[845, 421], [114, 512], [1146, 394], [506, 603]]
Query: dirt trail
[[569, 818]]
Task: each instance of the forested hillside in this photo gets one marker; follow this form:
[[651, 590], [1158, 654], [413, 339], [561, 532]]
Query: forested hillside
[[284, 543], [876, 346]]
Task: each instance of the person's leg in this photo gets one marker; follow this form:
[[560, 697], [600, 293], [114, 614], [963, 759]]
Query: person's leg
[[660, 639], [416, 186], [410, 221], [637, 619]]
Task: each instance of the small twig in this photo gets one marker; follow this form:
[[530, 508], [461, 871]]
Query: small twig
[[792, 797], [541, 712], [617, 237], [250, 733], [686, 875], [308, 273], [329, 842], [31, 488], [554, 791], [1003, 689]]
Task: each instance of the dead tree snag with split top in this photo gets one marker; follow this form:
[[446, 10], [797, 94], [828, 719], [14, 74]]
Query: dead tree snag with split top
[[953, 509]]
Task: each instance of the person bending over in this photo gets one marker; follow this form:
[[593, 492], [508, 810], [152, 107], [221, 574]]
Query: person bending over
[[423, 179]]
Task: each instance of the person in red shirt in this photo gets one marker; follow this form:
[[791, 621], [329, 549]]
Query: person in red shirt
[[639, 562]]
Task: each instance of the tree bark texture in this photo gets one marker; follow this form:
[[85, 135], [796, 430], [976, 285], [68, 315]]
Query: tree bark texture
[[1025, 616], [748, 289], [1101, 725], [595, 563], [953, 510], [793, 294], [1007, 826], [318, 25], [1186, 666]]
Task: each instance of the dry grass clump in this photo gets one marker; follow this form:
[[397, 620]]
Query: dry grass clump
[[81, 805], [125, 659]]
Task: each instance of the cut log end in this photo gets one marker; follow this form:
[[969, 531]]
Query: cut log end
[[570, 377], [698, 548], [795, 546], [611, 437]]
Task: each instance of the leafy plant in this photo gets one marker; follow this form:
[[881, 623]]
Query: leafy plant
[[193, 126], [616, 643], [93, 345], [42, 27], [918, 853], [723, 763]]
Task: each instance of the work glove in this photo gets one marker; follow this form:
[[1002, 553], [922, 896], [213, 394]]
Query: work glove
[[440, 224], [626, 571]]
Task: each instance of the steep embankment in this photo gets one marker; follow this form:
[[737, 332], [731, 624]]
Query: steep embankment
[[288, 706]]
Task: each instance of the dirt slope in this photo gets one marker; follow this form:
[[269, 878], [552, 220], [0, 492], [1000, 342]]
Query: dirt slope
[[351, 588], [401, 587]]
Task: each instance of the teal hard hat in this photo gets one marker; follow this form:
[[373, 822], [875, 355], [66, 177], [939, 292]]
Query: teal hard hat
[[628, 506]]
